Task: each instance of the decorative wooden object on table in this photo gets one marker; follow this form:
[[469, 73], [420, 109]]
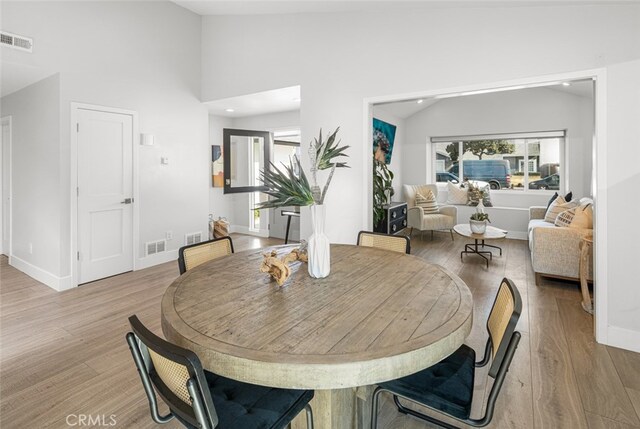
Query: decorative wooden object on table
[[381, 315], [585, 245], [395, 218], [490, 233], [279, 268]]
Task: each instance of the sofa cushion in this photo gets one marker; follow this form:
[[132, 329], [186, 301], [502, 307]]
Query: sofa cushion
[[558, 206], [583, 217], [565, 218], [537, 223], [457, 194], [567, 197]]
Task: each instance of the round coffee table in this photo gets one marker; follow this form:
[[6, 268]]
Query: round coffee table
[[491, 233]]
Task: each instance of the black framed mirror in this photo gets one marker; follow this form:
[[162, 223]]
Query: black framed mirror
[[246, 152]]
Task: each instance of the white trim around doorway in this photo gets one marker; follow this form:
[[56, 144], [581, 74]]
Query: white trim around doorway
[[8, 120], [73, 179], [599, 157]]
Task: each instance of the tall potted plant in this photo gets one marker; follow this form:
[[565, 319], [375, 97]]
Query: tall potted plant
[[382, 186], [287, 188]]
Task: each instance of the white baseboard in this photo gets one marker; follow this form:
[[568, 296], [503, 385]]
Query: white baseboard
[[241, 229], [517, 235], [43, 276], [623, 338], [157, 259]]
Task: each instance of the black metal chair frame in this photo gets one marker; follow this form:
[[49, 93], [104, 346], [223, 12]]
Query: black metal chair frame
[[407, 249], [498, 370], [202, 414], [181, 263]]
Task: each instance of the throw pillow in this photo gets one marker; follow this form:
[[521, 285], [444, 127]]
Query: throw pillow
[[457, 194], [558, 206], [565, 218], [567, 197], [583, 217], [476, 193], [427, 202]]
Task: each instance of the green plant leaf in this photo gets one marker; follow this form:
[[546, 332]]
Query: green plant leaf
[[327, 151], [285, 188]]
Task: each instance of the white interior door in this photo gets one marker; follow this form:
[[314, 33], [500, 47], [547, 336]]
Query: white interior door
[[5, 188], [105, 194]]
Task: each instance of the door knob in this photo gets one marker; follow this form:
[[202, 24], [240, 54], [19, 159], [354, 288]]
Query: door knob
[[127, 201]]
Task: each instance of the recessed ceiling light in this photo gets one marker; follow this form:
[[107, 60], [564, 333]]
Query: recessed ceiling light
[[229, 110], [420, 101], [565, 84]]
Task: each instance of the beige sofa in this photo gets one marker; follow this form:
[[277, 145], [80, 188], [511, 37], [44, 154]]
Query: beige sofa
[[555, 251]]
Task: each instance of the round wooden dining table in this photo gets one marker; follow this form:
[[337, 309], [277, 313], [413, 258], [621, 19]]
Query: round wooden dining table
[[379, 315]]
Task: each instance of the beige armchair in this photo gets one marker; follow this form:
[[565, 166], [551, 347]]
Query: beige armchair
[[416, 218]]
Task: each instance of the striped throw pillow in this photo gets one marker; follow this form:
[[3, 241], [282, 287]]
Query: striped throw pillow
[[427, 202], [558, 206], [565, 218]]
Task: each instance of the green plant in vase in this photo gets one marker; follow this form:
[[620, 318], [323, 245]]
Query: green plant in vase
[[290, 186], [478, 222], [480, 217]]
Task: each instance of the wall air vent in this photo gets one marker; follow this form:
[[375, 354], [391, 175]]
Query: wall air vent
[[193, 238], [16, 42], [153, 247]]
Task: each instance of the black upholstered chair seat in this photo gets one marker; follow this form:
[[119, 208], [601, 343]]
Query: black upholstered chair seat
[[248, 406], [446, 386]]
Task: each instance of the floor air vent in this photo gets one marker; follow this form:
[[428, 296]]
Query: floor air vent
[[193, 238], [153, 247], [16, 42]]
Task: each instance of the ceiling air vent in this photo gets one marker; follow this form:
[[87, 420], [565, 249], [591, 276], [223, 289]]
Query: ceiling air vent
[[16, 42]]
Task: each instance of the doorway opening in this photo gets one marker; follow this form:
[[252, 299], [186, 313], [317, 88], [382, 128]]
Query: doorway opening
[[282, 223], [595, 161]]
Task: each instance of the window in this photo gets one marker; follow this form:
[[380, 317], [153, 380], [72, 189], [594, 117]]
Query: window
[[523, 162]]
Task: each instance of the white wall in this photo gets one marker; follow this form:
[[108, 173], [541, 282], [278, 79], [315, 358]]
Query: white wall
[[623, 176], [534, 109], [411, 52], [429, 49], [236, 207], [397, 157], [35, 112], [120, 54]]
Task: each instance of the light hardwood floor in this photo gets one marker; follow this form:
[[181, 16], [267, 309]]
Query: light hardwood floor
[[64, 354]]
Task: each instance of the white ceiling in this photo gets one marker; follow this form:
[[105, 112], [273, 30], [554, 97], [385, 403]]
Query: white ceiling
[[260, 103], [268, 7], [405, 108], [16, 76]]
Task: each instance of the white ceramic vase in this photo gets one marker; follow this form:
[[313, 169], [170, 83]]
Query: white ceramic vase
[[318, 249], [478, 226]]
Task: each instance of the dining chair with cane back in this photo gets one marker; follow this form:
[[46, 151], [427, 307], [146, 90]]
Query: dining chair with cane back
[[201, 399], [447, 387], [195, 254], [396, 243]]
